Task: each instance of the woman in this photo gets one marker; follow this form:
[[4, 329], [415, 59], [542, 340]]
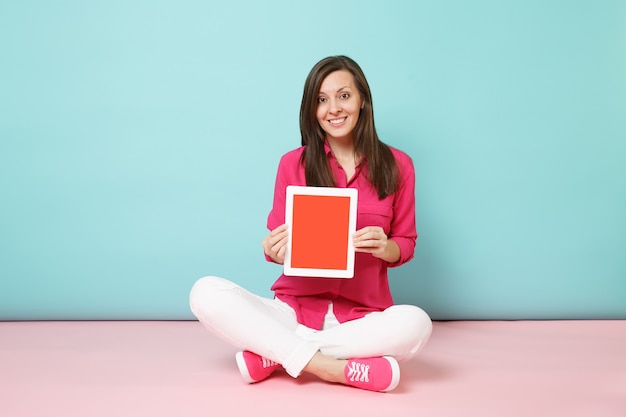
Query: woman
[[344, 331]]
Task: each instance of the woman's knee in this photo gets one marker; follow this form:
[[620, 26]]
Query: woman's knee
[[416, 321], [206, 292]]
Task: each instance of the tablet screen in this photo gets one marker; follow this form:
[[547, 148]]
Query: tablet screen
[[321, 223]]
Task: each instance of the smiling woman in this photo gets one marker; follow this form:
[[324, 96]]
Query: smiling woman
[[346, 331], [338, 110], [338, 107]]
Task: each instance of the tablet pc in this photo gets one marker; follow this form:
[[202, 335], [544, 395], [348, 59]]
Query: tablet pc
[[321, 222]]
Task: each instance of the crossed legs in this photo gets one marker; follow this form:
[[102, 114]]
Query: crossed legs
[[268, 327]]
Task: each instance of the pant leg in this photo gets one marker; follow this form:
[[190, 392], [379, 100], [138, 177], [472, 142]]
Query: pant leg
[[267, 327], [399, 331]]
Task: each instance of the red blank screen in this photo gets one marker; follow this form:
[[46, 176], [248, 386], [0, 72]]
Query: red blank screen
[[319, 234]]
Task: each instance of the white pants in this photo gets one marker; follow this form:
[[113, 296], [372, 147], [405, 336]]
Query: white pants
[[268, 327]]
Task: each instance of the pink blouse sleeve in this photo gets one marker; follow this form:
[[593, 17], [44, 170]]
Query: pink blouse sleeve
[[403, 230], [277, 214]]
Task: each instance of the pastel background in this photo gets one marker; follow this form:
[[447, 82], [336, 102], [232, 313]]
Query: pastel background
[[139, 142]]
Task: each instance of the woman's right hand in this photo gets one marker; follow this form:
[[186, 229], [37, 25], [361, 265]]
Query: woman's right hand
[[275, 244]]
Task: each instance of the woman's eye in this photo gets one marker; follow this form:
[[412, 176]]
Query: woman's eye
[[344, 96], [321, 99]]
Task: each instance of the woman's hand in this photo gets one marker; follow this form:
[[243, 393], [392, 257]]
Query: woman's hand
[[275, 244], [372, 239]]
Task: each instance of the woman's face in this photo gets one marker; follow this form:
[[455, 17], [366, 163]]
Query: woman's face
[[338, 105]]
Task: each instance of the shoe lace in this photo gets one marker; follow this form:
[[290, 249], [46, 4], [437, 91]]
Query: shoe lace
[[267, 363], [358, 372]]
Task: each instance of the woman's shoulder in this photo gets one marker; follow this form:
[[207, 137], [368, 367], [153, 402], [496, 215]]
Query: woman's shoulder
[[401, 157], [293, 155]]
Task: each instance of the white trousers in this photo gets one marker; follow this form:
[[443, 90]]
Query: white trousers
[[268, 327]]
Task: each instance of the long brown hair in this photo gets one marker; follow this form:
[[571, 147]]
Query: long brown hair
[[382, 166]]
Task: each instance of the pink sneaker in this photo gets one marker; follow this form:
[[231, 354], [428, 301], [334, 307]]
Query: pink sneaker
[[374, 374], [254, 368]]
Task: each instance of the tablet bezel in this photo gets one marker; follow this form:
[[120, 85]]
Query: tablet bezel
[[352, 194]]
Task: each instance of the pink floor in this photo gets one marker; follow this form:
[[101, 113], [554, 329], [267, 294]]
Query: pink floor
[[491, 368]]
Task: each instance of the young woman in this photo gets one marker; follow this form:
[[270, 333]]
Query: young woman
[[345, 331]]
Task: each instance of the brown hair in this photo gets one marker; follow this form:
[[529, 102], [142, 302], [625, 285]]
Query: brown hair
[[382, 166]]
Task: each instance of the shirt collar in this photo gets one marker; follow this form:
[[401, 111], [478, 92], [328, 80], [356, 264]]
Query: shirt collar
[[329, 152]]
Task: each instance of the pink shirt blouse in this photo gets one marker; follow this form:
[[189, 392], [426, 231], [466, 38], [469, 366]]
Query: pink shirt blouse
[[368, 290]]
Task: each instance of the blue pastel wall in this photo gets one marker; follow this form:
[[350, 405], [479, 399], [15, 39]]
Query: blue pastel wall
[[139, 142]]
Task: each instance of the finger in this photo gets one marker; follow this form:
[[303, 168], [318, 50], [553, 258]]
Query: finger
[[371, 243], [266, 244], [370, 237], [362, 231], [274, 239], [369, 231], [270, 243], [281, 238], [280, 229], [367, 250], [279, 244], [278, 237]]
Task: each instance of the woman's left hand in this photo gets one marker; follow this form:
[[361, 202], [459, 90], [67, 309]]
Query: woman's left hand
[[372, 239]]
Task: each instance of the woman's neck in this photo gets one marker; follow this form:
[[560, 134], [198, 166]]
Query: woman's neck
[[345, 155], [343, 150]]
